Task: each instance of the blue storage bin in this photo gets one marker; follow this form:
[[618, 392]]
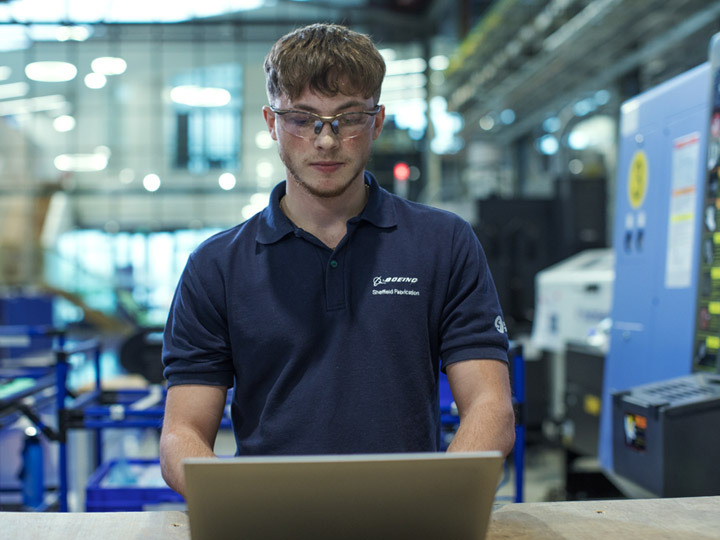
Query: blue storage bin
[[128, 486]]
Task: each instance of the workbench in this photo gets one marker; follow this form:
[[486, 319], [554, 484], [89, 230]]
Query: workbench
[[692, 518]]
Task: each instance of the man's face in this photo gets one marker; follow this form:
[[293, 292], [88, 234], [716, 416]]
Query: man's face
[[325, 165]]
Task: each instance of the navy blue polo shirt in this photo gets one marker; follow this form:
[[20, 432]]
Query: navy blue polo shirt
[[335, 351]]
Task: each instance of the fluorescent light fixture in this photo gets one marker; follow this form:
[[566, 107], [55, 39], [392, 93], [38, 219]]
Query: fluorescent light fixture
[[73, 33], [388, 54], [197, 96], [80, 162], [30, 105], [109, 65], [95, 80], [14, 37], [151, 182], [403, 82], [13, 90], [64, 123], [5, 73], [227, 181], [50, 71], [404, 67]]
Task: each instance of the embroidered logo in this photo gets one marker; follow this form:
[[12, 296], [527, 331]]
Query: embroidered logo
[[378, 280], [500, 325], [393, 286]]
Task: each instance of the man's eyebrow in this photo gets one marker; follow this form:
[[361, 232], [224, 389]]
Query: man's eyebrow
[[345, 106]]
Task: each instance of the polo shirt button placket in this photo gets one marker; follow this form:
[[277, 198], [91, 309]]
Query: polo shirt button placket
[[333, 263]]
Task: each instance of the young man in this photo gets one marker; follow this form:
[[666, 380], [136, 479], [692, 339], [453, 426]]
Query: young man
[[331, 311]]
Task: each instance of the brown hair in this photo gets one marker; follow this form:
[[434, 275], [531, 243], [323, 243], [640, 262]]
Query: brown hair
[[326, 58]]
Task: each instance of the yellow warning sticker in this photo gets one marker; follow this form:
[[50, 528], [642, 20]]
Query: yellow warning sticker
[[714, 308], [591, 404], [638, 179], [712, 342]]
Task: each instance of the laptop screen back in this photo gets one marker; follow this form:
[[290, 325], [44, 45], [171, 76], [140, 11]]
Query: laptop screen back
[[343, 497]]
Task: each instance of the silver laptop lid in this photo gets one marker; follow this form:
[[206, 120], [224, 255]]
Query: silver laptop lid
[[372, 496]]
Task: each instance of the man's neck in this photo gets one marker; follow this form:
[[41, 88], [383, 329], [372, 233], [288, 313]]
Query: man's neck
[[324, 217]]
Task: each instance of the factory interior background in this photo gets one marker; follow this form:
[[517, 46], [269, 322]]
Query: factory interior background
[[131, 131]]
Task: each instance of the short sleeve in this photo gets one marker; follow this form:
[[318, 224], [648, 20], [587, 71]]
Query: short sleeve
[[196, 346], [472, 324]]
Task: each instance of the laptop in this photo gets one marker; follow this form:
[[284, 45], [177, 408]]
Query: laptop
[[373, 496]]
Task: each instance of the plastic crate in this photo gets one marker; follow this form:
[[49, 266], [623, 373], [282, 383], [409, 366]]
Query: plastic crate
[[128, 486]]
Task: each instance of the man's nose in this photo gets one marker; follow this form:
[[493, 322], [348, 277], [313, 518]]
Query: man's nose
[[326, 136]]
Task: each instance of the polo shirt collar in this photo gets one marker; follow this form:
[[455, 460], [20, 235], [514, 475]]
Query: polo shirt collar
[[274, 224]]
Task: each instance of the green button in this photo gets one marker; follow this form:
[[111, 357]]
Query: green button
[[333, 263]]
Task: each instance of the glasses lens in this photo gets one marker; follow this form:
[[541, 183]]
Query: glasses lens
[[299, 123], [353, 124], [306, 125]]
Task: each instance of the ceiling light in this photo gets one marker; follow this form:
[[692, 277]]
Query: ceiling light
[[227, 181], [73, 33], [439, 63], [388, 54], [487, 122], [151, 182], [402, 82], [80, 162], [50, 71], [548, 145], [196, 96], [13, 90], [14, 37], [403, 67], [64, 123], [95, 80], [109, 65]]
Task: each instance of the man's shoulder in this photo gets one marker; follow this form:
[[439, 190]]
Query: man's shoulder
[[227, 240]]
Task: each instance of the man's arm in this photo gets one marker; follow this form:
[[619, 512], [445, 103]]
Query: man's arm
[[481, 390], [192, 418]]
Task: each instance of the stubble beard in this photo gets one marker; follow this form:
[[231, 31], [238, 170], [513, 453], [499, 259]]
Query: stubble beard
[[339, 188]]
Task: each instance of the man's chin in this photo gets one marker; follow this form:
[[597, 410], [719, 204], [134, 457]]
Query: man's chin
[[324, 189]]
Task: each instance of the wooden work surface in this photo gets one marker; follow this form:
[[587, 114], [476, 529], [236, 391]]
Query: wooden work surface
[[651, 519], [696, 518]]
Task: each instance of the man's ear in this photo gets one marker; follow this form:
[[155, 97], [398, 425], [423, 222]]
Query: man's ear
[[270, 121]]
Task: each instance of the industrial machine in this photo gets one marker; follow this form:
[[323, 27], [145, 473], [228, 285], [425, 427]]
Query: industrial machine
[[661, 402]]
